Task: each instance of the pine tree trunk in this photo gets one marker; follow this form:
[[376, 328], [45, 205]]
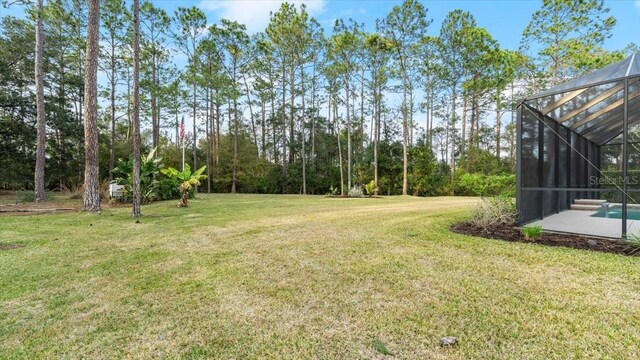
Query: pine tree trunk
[[348, 137], [195, 128], [40, 113], [235, 136], [452, 140], [59, 135], [498, 125], [272, 94], [335, 120], [91, 176], [292, 119], [129, 115], [405, 130], [263, 150], [212, 145], [512, 134], [376, 139], [362, 110], [284, 129], [431, 120], [253, 122], [112, 113], [208, 137], [155, 118], [136, 109], [176, 110], [217, 137], [313, 120], [452, 160], [463, 135], [302, 136]]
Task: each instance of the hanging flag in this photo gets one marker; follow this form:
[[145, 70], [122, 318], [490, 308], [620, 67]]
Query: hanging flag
[[182, 130]]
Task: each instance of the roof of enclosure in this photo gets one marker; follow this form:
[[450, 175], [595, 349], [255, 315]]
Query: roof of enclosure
[[592, 105]]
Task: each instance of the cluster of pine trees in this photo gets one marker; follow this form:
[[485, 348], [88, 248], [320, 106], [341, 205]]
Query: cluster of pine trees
[[292, 109]]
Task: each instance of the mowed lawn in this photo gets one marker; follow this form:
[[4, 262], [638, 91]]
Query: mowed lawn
[[252, 276]]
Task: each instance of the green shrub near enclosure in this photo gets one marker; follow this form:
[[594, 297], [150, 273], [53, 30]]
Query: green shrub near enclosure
[[486, 185]]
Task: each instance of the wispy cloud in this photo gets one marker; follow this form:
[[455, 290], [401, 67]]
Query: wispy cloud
[[255, 13]]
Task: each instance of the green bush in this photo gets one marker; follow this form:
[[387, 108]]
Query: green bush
[[532, 232], [149, 170], [168, 189], [485, 185]]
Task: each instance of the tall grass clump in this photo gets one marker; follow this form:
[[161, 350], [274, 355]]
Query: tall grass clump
[[494, 211]]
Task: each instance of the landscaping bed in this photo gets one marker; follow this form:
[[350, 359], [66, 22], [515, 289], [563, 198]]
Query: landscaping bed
[[514, 234]]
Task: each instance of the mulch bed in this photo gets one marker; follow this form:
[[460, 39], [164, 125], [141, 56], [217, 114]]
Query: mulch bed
[[514, 234]]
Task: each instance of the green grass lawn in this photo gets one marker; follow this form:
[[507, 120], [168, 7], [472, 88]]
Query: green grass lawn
[[251, 276]]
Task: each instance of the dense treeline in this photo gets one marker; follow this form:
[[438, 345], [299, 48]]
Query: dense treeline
[[293, 109]]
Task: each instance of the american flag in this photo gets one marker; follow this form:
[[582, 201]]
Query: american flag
[[182, 130]]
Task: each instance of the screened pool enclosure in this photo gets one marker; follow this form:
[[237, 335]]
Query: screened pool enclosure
[[578, 152]]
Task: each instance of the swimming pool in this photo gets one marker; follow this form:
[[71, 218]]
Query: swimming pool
[[616, 213]]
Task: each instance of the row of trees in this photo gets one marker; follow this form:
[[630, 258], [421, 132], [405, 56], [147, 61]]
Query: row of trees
[[290, 109]]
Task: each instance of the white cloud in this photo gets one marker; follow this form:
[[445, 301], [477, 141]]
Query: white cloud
[[255, 13], [637, 4]]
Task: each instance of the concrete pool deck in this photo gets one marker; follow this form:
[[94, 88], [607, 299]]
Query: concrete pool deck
[[581, 222]]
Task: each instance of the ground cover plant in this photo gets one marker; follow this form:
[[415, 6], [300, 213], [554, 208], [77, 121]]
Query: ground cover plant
[[532, 232], [250, 276]]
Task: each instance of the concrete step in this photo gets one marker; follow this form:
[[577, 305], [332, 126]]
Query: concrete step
[[589, 201], [585, 207]]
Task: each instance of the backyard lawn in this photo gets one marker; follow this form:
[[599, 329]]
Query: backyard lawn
[[254, 276]]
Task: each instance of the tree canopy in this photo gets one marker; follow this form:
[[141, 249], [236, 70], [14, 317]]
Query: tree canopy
[[296, 108]]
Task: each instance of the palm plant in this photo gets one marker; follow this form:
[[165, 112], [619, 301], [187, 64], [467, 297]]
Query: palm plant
[[371, 188], [187, 180]]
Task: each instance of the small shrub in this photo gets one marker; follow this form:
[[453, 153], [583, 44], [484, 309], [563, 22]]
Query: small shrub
[[356, 191], [333, 191], [495, 211], [168, 189], [532, 232], [634, 243], [25, 196], [371, 188]]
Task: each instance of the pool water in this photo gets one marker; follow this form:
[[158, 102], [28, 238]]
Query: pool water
[[616, 213]]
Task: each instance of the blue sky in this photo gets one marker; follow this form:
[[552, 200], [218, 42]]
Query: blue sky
[[505, 19]]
